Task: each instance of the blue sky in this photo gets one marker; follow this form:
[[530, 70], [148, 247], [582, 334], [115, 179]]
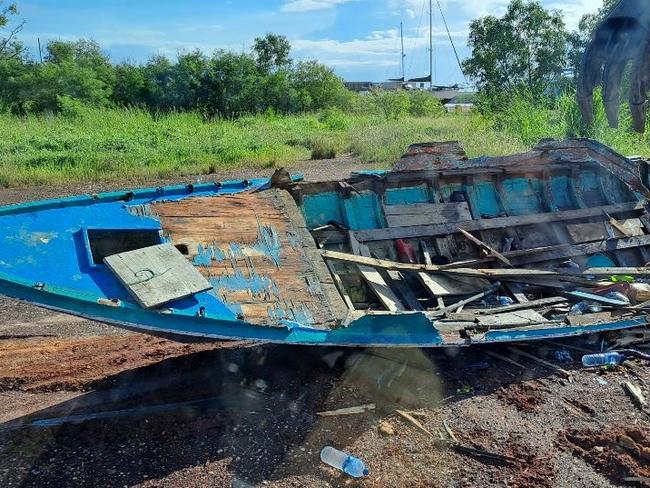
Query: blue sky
[[359, 38]]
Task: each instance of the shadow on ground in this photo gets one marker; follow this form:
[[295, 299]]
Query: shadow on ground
[[249, 407]]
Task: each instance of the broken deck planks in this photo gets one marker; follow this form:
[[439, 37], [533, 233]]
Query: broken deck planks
[[511, 274], [156, 275], [374, 279], [495, 223]]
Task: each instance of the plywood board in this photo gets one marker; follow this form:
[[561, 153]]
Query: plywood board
[[156, 275]]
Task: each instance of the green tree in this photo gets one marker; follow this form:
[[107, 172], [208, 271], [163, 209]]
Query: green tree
[[525, 47], [130, 87], [72, 70], [10, 47], [317, 86], [272, 52], [232, 85]]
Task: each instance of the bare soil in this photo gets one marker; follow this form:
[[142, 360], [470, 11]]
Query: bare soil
[[86, 404]]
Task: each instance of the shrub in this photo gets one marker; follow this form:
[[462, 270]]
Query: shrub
[[333, 119], [322, 148], [392, 104], [424, 104]]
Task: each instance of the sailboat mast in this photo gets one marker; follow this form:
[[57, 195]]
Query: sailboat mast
[[401, 35], [430, 45]]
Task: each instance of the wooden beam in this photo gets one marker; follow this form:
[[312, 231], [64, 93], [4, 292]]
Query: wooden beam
[[500, 273], [374, 279], [496, 223], [464, 302], [487, 248], [523, 306]]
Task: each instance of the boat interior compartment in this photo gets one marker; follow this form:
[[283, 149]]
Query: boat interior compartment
[[538, 220]]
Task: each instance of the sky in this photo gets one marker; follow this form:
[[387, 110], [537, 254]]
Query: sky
[[358, 38]]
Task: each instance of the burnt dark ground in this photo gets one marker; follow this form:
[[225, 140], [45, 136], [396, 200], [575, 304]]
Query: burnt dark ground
[[231, 415]]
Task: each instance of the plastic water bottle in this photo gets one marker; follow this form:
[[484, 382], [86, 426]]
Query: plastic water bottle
[[602, 359], [343, 461]]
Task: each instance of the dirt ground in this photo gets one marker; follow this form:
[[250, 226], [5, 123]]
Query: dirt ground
[[86, 404]]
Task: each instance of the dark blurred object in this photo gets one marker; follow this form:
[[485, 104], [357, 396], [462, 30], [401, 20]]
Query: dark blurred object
[[622, 37]]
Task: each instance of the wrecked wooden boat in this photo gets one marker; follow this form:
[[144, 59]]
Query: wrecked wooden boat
[[441, 251]]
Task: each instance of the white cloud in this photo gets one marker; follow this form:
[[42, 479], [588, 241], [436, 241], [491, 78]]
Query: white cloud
[[309, 5]]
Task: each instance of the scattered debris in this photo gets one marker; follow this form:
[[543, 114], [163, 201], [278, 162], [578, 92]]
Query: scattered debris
[[348, 410], [386, 428], [636, 394], [413, 420], [541, 361], [349, 464]]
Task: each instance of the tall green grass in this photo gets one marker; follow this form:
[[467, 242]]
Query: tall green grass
[[528, 119], [123, 144]]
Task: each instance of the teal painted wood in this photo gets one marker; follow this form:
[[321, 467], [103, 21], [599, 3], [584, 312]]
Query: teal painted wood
[[561, 192], [362, 211], [483, 196], [321, 208], [590, 189], [522, 196], [408, 195]]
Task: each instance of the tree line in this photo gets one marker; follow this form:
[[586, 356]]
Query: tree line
[[224, 84]]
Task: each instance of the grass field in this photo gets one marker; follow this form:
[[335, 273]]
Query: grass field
[[119, 144]]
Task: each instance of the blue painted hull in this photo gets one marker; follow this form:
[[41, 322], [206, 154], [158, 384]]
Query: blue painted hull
[[45, 259]]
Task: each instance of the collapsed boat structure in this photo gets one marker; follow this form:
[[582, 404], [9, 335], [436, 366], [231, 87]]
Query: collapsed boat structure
[[441, 251]]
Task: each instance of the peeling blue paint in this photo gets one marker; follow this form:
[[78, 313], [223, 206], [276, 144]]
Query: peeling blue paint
[[362, 211], [268, 243], [522, 196], [203, 256]]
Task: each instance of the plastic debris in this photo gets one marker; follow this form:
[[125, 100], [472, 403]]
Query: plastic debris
[[563, 356], [349, 464], [602, 359]]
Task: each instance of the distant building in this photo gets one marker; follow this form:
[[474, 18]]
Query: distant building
[[360, 86]]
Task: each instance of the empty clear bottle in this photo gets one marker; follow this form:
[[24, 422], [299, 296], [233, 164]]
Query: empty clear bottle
[[602, 359], [343, 461]]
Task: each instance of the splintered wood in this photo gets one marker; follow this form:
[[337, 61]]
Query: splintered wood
[[252, 249]]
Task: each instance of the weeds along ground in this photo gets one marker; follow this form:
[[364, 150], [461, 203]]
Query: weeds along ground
[[116, 144]]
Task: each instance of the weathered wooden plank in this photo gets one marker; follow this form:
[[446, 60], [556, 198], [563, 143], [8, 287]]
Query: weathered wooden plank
[[441, 285], [156, 275], [496, 223], [588, 232], [258, 254], [521, 306], [508, 273], [426, 213], [589, 318], [520, 317], [374, 279]]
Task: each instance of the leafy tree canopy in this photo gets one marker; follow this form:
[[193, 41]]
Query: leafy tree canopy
[[526, 47]]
